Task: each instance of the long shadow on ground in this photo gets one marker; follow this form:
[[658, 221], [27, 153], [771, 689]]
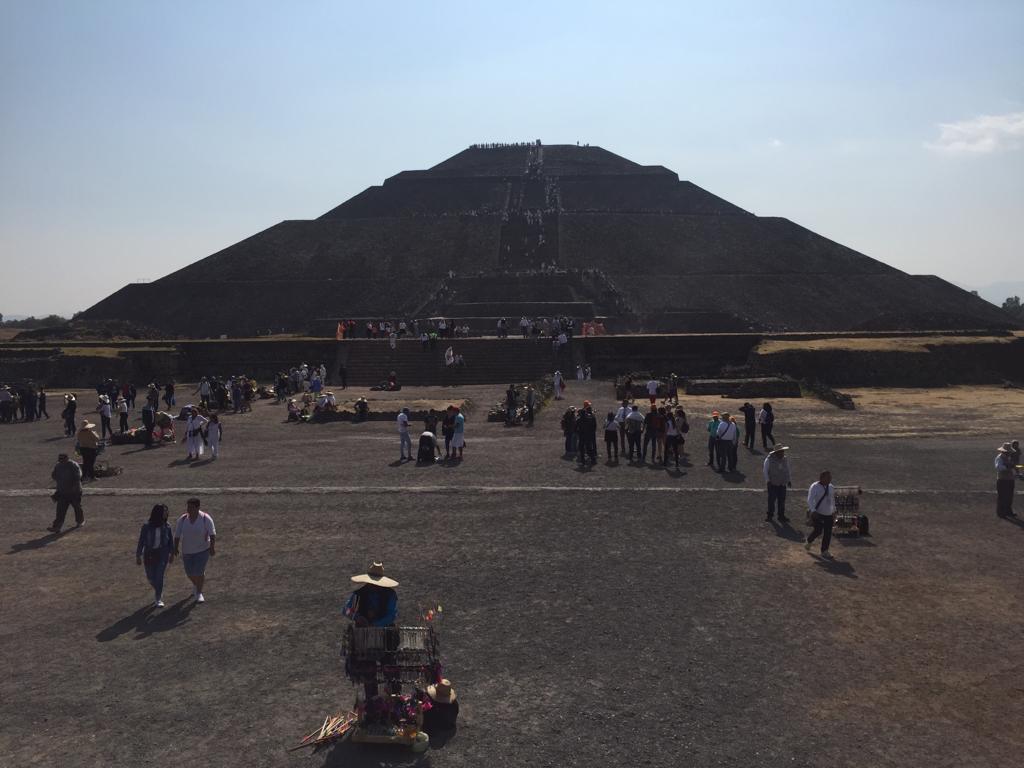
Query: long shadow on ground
[[39, 543], [786, 531], [147, 621]]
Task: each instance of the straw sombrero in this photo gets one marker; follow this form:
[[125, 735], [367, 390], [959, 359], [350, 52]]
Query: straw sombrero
[[443, 693], [375, 575], [1005, 448], [86, 424], [778, 449]]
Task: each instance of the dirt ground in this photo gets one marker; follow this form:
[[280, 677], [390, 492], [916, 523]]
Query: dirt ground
[[620, 615]]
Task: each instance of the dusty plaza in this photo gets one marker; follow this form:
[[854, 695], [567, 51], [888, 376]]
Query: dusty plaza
[[615, 615]]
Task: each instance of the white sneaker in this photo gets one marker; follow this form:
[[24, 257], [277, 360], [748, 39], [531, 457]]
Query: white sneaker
[[200, 598], [159, 604]]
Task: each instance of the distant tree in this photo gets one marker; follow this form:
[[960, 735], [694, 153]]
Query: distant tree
[[1014, 307], [35, 322]]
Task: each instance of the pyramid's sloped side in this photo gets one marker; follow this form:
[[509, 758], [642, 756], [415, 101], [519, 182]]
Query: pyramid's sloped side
[[640, 194], [794, 302], [346, 249], [700, 245], [425, 197]]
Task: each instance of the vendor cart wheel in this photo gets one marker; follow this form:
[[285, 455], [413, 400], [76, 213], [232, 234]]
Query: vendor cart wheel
[[862, 525]]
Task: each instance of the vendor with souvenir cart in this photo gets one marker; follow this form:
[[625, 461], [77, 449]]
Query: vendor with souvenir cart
[[396, 669]]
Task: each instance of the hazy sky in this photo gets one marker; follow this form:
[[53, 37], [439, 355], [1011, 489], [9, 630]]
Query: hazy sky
[[137, 137]]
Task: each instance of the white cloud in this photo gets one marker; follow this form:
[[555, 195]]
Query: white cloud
[[980, 135], [775, 143]]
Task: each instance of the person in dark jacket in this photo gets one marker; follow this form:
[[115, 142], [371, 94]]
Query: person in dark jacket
[[586, 431], [42, 403], [749, 425], [70, 408], [568, 425], [68, 476], [156, 550], [443, 711]]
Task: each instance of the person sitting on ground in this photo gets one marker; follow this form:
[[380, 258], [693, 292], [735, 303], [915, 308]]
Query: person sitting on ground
[[327, 403], [293, 409]]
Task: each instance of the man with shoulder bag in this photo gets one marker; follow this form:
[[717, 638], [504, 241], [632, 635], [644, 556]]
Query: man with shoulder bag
[[821, 503]]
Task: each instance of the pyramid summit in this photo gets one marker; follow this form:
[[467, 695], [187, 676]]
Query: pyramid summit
[[544, 230]]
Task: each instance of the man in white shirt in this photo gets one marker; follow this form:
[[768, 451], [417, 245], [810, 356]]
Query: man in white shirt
[[821, 503], [652, 390], [405, 442], [728, 439], [195, 539]]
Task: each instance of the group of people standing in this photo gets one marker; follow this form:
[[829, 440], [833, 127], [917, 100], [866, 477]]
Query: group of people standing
[[22, 403], [626, 431], [453, 431]]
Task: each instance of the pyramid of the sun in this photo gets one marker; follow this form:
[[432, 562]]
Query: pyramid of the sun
[[541, 230]]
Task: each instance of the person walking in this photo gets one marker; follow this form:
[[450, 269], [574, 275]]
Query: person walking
[[169, 393], [821, 503], [611, 438], [511, 396], [568, 425], [41, 408], [68, 476], [105, 413], [122, 414], [459, 433], [155, 551], [531, 404], [1005, 481], [766, 418], [404, 441], [214, 435], [70, 407], [586, 429], [749, 425], [193, 438], [448, 430], [204, 390], [559, 385], [195, 539], [88, 445], [652, 390], [777, 478], [712, 429]]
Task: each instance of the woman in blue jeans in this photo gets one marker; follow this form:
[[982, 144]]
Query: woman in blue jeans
[[156, 550]]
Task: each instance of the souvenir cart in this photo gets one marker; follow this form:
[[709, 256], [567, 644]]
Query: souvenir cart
[[848, 517], [390, 668]]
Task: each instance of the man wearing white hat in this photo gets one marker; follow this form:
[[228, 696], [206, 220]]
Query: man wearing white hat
[[1005, 480]]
